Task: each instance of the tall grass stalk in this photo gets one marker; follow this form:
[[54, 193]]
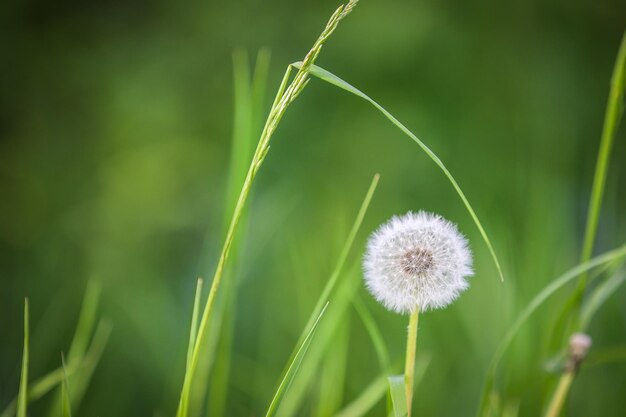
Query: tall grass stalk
[[247, 125], [22, 396], [285, 96], [535, 303], [556, 404], [612, 117]]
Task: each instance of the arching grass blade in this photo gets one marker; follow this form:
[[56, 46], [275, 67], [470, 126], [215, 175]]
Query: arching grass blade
[[338, 82]]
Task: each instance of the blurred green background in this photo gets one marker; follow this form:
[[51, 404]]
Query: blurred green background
[[115, 129]]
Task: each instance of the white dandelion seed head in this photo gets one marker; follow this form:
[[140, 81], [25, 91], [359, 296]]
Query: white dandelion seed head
[[418, 260], [579, 344]]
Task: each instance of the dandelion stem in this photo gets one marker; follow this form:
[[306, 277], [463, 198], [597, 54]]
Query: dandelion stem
[[556, 404], [409, 365]]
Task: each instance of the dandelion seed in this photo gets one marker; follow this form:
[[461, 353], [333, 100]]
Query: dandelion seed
[[417, 261]]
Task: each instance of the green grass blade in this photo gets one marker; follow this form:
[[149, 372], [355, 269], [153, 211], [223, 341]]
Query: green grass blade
[[293, 366], [249, 106], [336, 314], [22, 396], [91, 360], [193, 331], [332, 375], [242, 144], [374, 332], [340, 303], [569, 317], [80, 342], [345, 251], [599, 297], [47, 383], [258, 91], [614, 110], [66, 405], [86, 322], [278, 110], [535, 303], [376, 390], [368, 398], [338, 82], [397, 396], [606, 355]]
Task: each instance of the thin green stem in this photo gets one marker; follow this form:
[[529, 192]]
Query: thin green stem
[[612, 116], [614, 110], [558, 399], [409, 365], [22, 396]]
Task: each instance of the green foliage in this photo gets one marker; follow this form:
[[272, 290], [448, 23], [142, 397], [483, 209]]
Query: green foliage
[[284, 98], [115, 161], [22, 396], [397, 396], [81, 367], [293, 366], [532, 306], [66, 403], [334, 80]]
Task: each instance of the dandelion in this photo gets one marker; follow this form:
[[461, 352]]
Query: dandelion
[[579, 345], [417, 261], [414, 263]]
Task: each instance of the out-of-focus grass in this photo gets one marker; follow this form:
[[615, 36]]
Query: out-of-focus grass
[[115, 149], [22, 395]]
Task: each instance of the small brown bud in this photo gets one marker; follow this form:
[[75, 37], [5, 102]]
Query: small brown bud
[[579, 344]]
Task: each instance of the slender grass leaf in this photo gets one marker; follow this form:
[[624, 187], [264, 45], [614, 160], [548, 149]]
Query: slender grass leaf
[[193, 331], [338, 82], [293, 367], [599, 297], [397, 396], [22, 395], [612, 117], [66, 405], [332, 374], [47, 383], [249, 107], [86, 322], [80, 342], [88, 366], [374, 332], [605, 355], [534, 304], [340, 304], [325, 337], [278, 110], [569, 318], [370, 396], [511, 409], [345, 251], [397, 400]]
